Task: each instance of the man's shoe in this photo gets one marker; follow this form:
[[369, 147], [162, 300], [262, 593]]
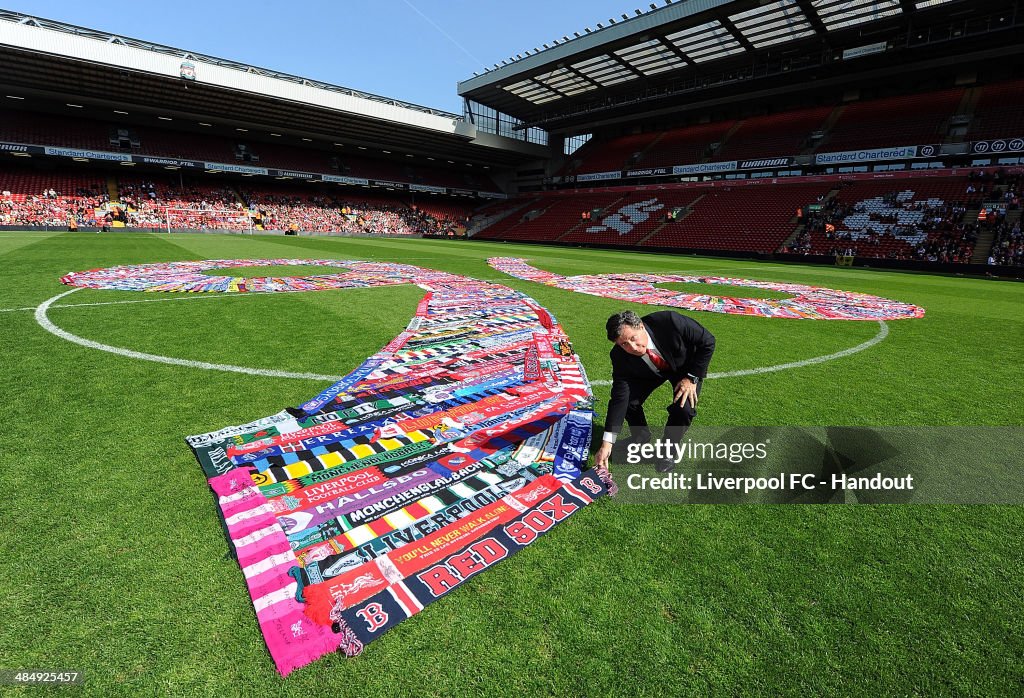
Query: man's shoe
[[664, 465]]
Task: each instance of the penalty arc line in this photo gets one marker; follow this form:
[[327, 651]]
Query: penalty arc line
[[47, 325], [883, 332]]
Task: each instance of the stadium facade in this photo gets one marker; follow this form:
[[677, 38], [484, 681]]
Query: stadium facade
[[682, 95]]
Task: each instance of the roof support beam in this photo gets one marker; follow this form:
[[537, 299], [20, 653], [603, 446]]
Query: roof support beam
[[581, 75], [537, 82], [808, 9], [672, 47], [736, 33], [627, 66], [908, 6], [546, 86]]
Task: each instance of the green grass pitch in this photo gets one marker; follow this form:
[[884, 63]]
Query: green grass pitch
[[113, 561]]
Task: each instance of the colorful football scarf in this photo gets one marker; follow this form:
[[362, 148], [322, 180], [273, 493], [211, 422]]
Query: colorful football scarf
[[456, 445], [368, 604], [807, 303]]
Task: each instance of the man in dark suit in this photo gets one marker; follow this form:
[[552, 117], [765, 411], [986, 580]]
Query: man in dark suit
[[648, 351]]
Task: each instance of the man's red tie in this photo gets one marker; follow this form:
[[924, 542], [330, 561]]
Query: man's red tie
[[656, 359]]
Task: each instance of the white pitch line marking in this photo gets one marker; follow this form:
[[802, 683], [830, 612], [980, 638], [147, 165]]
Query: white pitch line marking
[[47, 325], [883, 332], [44, 321], [146, 300]]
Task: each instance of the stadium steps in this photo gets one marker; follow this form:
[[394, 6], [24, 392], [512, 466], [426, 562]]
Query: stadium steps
[[643, 153], [970, 101], [983, 245], [238, 197], [113, 191], [114, 195], [966, 108], [657, 230], [687, 212], [488, 222], [826, 127], [522, 219], [588, 222], [793, 236], [725, 138], [832, 193], [985, 235]]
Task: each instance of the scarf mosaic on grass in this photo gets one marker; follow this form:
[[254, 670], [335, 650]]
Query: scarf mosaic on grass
[[456, 445], [807, 303]]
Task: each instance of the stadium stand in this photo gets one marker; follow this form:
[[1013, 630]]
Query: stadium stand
[[447, 212], [33, 199], [613, 154], [190, 203], [647, 97], [929, 219], [903, 120], [912, 219], [686, 145], [752, 218], [637, 216], [785, 133], [319, 211], [551, 217], [1008, 246], [999, 112], [492, 212], [51, 130], [44, 129]]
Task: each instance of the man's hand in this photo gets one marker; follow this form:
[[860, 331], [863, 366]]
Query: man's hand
[[602, 454], [686, 390]]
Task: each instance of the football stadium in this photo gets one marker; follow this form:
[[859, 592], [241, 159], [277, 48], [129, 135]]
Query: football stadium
[[286, 362]]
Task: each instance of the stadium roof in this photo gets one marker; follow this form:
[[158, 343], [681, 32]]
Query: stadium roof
[[55, 61], [683, 46]]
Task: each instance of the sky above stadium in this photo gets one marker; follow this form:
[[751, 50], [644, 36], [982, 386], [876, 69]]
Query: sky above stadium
[[411, 50]]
